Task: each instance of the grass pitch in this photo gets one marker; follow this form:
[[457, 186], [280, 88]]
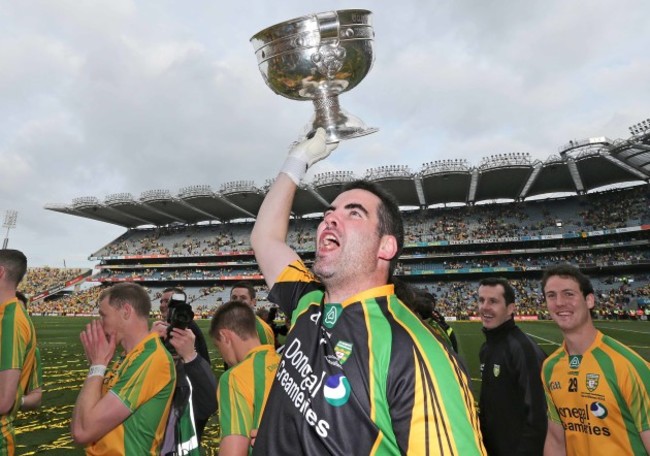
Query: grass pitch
[[46, 431]]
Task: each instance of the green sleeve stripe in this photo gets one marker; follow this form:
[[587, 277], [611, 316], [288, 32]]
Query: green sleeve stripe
[[260, 331], [242, 413], [609, 369], [379, 351], [639, 364], [458, 401], [547, 371], [312, 298], [259, 380], [640, 379], [8, 337], [225, 407]]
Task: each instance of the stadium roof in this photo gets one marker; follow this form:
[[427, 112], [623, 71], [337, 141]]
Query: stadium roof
[[580, 167]]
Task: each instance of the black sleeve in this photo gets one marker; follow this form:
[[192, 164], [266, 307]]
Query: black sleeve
[[528, 359], [204, 388], [199, 342], [296, 284]]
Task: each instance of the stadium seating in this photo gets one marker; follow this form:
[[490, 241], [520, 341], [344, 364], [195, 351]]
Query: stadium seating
[[447, 250]]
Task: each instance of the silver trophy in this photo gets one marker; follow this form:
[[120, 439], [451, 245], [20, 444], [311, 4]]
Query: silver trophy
[[317, 57]]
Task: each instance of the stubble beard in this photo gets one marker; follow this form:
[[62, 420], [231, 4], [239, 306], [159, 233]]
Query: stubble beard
[[321, 271]]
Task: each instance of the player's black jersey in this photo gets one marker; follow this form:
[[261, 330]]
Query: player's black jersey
[[358, 378]]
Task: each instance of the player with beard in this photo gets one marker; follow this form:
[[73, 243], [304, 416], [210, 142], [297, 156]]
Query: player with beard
[[357, 374]]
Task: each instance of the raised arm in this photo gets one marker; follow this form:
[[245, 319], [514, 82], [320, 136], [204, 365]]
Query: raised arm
[[269, 234]]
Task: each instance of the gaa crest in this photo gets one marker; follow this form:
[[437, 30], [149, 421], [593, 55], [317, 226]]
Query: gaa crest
[[592, 381], [496, 370], [343, 351]]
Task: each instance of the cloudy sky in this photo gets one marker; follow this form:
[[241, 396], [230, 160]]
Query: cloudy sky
[[101, 97]]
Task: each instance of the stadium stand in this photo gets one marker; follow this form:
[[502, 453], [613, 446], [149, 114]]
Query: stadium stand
[[41, 282], [508, 216]]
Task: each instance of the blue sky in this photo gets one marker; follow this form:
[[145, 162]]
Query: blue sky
[[103, 97]]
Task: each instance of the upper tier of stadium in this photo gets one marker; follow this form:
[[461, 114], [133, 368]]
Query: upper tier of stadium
[[581, 167]]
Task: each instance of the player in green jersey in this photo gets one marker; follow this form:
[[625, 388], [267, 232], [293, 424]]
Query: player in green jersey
[[245, 292], [243, 388], [597, 389], [123, 410], [18, 355]]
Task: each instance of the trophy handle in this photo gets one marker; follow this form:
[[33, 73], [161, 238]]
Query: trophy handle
[[330, 55], [328, 25]]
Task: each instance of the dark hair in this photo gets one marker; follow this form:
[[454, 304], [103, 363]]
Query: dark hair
[[508, 291], [236, 316], [404, 292], [22, 298], [390, 217], [15, 264], [130, 293], [568, 271], [423, 307], [245, 284]]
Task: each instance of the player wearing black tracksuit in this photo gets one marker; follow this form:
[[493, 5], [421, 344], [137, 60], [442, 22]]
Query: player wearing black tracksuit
[[512, 407]]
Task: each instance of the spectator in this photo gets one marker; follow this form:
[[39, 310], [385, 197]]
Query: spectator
[[195, 396], [194, 373]]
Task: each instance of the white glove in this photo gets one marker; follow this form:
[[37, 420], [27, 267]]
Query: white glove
[[306, 153]]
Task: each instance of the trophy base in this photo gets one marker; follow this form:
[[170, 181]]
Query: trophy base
[[337, 123], [335, 135]]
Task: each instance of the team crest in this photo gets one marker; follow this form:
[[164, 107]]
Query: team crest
[[332, 314], [592, 381], [343, 351], [496, 370]]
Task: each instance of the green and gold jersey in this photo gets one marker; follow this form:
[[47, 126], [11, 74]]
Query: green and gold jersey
[[364, 376], [600, 398], [243, 390], [144, 381], [17, 351], [264, 332]]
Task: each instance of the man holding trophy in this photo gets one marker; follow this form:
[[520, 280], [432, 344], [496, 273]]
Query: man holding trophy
[[360, 373]]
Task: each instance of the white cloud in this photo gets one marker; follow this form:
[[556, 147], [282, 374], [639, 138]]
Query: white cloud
[[114, 96]]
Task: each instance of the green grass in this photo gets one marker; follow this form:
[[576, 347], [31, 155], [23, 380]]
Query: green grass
[[46, 431]]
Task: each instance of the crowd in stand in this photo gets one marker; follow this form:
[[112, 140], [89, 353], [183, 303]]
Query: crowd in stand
[[454, 298], [79, 303], [528, 262], [478, 222], [44, 278]]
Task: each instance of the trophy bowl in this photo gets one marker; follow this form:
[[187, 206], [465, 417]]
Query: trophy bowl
[[317, 57]]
